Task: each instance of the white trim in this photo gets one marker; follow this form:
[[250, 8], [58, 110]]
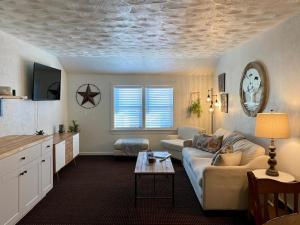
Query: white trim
[[96, 153]]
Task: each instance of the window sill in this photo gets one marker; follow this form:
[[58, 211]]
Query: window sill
[[171, 130]]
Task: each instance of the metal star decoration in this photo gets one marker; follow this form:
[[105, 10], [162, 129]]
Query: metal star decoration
[[88, 95]]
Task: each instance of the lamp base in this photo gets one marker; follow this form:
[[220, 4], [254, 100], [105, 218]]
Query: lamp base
[[272, 172], [272, 161]]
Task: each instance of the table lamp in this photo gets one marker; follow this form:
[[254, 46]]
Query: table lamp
[[274, 126]]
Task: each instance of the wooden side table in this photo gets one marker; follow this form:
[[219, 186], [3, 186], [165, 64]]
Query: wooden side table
[[265, 195], [283, 177]]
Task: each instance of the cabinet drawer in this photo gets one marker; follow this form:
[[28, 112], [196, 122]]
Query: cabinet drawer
[[30, 154], [10, 163], [47, 147]]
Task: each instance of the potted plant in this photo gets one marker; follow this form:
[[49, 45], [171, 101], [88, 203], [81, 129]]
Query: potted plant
[[195, 108], [74, 128]]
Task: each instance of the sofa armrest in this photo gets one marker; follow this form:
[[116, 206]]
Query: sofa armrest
[[188, 143], [172, 137], [228, 183]]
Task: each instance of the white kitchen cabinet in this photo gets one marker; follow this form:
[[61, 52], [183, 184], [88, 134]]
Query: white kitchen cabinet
[[26, 174], [46, 174], [30, 185], [75, 145], [10, 211], [60, 155]]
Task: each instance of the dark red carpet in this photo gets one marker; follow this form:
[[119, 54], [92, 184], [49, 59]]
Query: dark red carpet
[[101, 191]]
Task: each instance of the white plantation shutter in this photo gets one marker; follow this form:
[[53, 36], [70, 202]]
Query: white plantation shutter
[[128, 107], [159, 107]]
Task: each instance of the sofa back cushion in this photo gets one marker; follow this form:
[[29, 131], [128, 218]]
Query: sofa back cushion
[[249, 150], [222, 132], [186, 133]]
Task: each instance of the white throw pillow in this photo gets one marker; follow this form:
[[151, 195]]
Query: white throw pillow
[[229, 159]]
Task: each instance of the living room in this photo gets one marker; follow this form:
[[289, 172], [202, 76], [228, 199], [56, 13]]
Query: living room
[[187, 51]]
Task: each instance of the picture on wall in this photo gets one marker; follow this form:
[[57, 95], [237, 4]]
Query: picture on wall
[[254, 89], [221, 81], [224, 102]]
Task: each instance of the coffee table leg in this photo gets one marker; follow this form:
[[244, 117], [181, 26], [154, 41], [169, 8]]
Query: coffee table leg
[[154, 183], [135, 189], [173, 199]]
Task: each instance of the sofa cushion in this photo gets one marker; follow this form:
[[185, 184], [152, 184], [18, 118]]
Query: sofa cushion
[[207, 143], [222, 132], [198, 165], [188, 132], [249, 149], [188, 153], [175, 144]]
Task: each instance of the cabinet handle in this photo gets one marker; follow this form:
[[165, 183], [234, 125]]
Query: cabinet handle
[[25, 171], [21, 174], [43, 160], [48, 146], [23, 158]]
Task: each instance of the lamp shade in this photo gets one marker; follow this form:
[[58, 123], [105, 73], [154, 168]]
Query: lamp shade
[[272, 125]]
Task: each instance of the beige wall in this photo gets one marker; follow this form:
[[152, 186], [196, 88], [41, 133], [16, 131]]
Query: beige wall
[[97, 137], [279, 50], [19, 116]]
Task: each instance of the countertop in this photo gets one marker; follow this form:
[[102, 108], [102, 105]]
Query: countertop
[[13, 144]]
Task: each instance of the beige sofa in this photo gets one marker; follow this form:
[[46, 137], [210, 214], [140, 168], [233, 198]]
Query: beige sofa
[[174, 143], [223, 187]]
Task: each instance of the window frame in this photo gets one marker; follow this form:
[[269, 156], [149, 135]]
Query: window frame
[[143, 128]]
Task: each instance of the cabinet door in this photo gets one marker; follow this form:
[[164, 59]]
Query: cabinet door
[[10, 211], [30, 185], [75, 145], [60, 156], [46, 174]]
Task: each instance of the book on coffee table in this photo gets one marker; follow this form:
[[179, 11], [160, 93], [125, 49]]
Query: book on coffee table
[[161, 155]]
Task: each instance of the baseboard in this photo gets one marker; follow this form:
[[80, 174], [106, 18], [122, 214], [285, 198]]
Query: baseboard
[[96, 153]]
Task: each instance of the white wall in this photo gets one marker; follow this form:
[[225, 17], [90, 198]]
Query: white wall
[[24, 117], [96, 135], [279, 50]]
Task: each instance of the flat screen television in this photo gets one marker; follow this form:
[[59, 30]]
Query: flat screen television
[[46, 83]]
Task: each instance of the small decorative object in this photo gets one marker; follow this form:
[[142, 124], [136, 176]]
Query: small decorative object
[[39, 132], [254, 89], [14, 92], [272, 125], [61, 128], [88, 96], [224, 102], [150, 156], [221, 81], [5, 90], [194, 105], [74, 127]]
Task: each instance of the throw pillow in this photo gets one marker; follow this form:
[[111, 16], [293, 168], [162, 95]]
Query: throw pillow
[[229, 159], [225, 149], [207, 143]]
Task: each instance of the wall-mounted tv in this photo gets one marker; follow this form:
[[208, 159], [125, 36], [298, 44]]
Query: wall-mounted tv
[[46, 83]]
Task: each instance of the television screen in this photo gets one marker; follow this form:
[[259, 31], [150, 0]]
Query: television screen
[[46, 83]]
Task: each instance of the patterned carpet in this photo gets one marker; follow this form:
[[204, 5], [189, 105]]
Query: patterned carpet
[[101, 191]]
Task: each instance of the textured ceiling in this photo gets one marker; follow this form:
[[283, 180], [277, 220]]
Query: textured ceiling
[[141, 28]]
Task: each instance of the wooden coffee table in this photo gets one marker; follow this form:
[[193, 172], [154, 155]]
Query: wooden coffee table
[[142, 167]]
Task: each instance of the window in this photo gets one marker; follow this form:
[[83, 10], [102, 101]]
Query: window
[[158, 107], [136, 107], [128, 107]]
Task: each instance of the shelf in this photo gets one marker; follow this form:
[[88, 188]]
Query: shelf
[[12, 97], [2, 97]]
